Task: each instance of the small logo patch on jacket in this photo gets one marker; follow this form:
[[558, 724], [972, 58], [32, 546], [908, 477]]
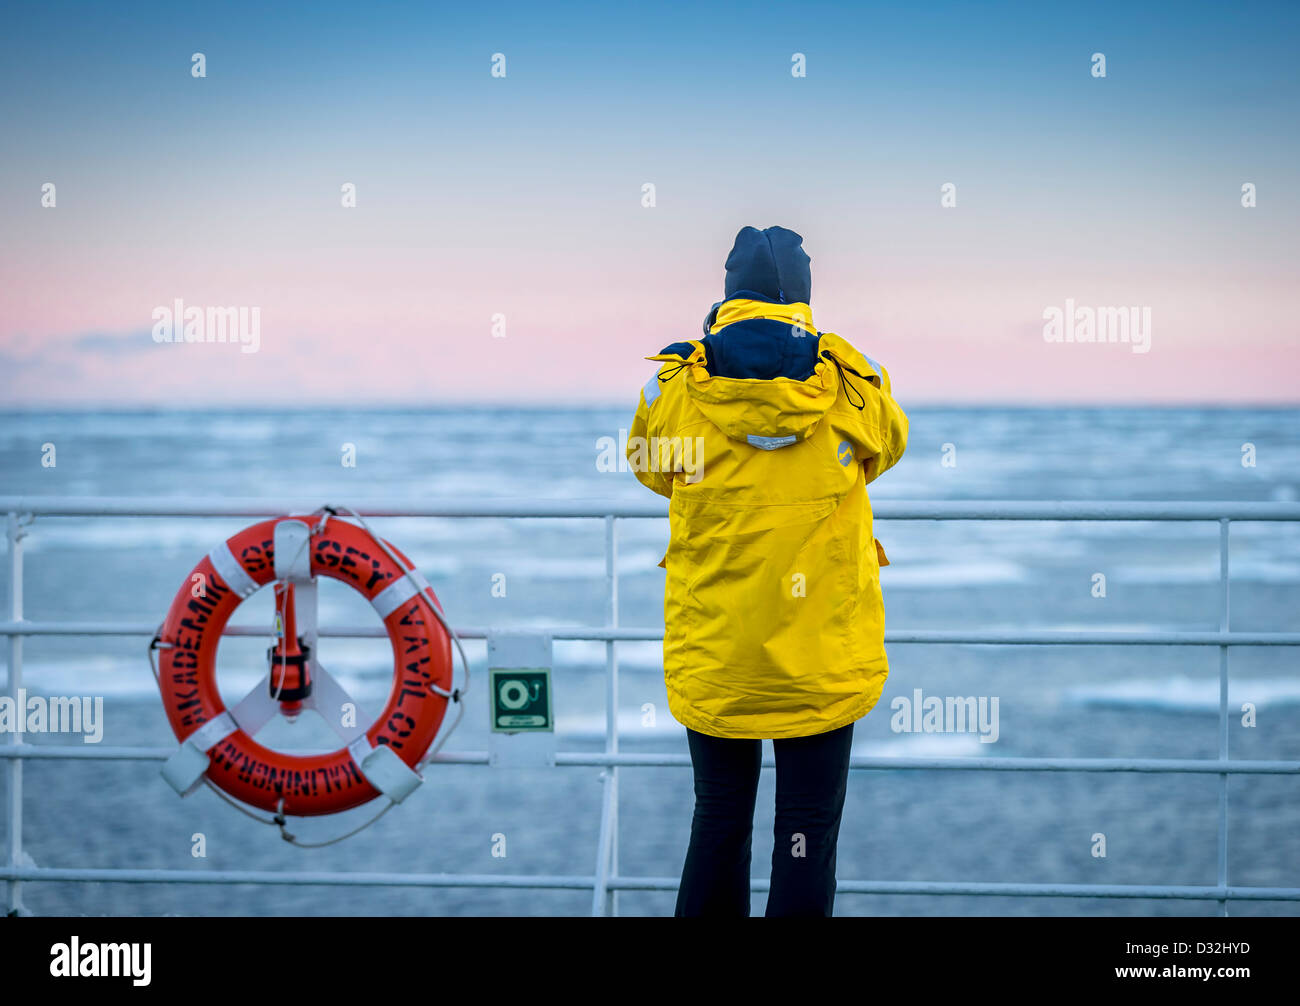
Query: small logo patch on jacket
[[769, 443]]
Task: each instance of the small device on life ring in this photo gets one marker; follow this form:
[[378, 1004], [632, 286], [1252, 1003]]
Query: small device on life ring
[[217, 743]]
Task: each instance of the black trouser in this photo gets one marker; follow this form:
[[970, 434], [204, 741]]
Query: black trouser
[[811, 773]]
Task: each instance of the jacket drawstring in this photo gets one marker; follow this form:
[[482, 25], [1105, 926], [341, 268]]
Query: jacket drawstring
[[668, 375], [848, 386]]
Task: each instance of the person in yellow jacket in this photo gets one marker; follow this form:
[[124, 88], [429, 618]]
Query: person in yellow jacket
[[763, 434]]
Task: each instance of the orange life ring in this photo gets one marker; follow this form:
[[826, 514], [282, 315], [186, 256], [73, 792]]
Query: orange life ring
[[257, 775]]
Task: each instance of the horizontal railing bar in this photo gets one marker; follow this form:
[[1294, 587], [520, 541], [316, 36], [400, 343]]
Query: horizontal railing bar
[[1068, 510], [1071, 510], [1093, 637], [1008, 890], [867, 763], [601, 759], [291, 878], [977, 637], [145, 630], [129, 506], [105, 752]]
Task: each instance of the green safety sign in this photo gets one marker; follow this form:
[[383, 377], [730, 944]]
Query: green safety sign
[[521, 699]]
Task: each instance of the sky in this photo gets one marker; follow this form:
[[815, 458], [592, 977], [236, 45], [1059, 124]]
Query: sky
[[502, 250]]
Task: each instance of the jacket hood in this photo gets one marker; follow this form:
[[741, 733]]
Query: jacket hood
[[769, 262], [764, 374]]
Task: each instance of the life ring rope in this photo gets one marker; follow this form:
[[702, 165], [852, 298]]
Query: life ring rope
[[260, 704]]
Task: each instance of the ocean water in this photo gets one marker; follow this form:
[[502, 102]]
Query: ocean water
[[898, 825]]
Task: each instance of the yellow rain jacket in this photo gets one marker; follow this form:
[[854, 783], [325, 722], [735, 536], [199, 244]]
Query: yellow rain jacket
[[774, 622]]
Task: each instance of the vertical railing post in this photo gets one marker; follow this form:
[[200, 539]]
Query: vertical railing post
[[15, 533], [604, 901], [1223, 711]]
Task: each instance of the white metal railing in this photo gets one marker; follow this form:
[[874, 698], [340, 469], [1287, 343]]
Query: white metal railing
[[605, 880]]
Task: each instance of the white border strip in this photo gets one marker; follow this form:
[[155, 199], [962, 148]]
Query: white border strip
[[384, 769], [398, 593], [359, 748], [230, 570], [216, 729], [292, 552]]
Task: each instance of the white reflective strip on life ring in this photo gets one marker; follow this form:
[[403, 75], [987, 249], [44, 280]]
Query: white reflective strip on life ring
[[229, 569], [292, 554], [384, 770], [359, 748], [217, 728], [398, 593], [184, 770]]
